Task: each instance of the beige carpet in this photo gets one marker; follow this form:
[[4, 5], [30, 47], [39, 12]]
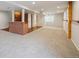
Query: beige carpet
[[42, 43]]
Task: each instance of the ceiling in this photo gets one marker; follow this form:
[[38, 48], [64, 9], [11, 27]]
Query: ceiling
[[49, 7], [7, 6]]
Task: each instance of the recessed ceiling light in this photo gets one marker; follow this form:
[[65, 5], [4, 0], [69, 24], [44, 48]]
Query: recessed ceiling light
[[58, 6], [42, 9], [33, 3]]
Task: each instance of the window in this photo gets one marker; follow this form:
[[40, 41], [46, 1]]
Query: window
[[49, 19]]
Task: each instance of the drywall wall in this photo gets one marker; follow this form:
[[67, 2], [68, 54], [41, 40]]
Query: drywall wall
[[75, 25], [37, 20], [40, 19], [5, 18], [75, 10], [55, 20], [34, 20], [65, 21], [75, 34], [65, 26], [58, 20]]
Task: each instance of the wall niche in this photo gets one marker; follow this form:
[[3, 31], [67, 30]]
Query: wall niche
[[18, 15]]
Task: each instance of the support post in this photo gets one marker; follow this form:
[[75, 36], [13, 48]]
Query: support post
[[23, 15], [69, 19], [13, 16]]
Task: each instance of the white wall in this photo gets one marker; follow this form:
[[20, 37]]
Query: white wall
[[65, 22], [34, 20], [5, 18], [37, 20], [57, 21], [65, 26], [40, 20], [75, 26], [75, 10], [75, 34]]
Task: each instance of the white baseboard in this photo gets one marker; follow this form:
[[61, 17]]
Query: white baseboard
[[75, 45]]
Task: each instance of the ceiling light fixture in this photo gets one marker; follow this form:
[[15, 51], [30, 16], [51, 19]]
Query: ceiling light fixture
[[42, 9], [58, 6], [33, 3]]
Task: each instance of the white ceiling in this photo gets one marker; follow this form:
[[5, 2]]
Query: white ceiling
[[49, 7], [7, 6]]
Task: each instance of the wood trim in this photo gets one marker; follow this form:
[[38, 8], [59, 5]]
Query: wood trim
[[69, 19]]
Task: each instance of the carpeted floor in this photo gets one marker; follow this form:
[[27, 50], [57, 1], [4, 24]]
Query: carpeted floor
[[41, 43]]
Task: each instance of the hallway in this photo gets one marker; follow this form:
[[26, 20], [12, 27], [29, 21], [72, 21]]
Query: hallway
[[44, 42]]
